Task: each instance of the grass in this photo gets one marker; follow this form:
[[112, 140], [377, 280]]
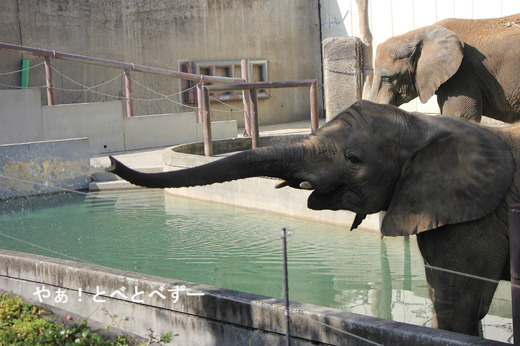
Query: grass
[[22, 323]]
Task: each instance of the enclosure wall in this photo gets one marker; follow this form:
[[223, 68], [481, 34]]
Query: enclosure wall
[[162, 34], [199, 314]]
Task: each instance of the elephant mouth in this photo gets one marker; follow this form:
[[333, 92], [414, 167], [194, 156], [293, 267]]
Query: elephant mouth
[[335, 197], [340, 198]]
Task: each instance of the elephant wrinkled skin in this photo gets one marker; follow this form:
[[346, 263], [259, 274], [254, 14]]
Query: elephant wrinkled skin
[[472, 66], [445, 179]]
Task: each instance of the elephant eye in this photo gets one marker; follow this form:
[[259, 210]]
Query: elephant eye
[[352, 158], [386, 79]]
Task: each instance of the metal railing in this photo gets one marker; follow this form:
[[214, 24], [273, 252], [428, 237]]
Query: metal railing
[[249, 90]]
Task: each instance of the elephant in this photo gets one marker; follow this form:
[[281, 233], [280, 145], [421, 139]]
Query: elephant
[[447, 180], [472, 66]]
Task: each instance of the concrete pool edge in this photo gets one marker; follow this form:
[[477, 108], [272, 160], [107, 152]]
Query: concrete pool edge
[[256, 193], [200, 314]]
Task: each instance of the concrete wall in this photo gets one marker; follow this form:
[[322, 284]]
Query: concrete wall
[[137, 137], [101, 122], [23, 119], [161, 34], [219, 130], [20, 116], [341, 73], [199, 314], [43, 167]]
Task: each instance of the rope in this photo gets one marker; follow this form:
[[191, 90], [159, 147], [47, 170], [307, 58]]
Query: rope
[[355, 72], [92, 89], [21, 70], [234, 109]]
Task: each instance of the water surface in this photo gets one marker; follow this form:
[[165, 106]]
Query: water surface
[[149, 232]]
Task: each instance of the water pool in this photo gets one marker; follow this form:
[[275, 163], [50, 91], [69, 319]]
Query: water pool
[[150, 232]]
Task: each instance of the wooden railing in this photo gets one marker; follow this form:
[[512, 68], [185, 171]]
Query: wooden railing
[[252, 88]]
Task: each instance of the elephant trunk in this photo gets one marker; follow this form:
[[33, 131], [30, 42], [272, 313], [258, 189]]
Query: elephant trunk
[[375, 88], [279, 162], [382, 92]]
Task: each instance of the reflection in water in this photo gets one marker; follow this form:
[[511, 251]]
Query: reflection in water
[[149, 232], [407, 264], [382, 297]]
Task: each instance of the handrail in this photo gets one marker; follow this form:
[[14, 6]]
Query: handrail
[[117, 64], [263, 85], [252, 87], [249, 89], [48, 55]]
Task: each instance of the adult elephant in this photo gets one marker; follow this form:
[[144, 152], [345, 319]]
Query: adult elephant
[[445, 179], [472, 66]]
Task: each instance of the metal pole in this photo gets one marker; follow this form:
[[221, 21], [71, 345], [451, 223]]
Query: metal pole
[[255, 132], [49, 80], [514, 254], [286, 284], [129, 95], [314, 106], [246, 98], [208, 141]]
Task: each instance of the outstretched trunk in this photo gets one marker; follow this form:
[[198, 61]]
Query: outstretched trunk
[[282, 162]]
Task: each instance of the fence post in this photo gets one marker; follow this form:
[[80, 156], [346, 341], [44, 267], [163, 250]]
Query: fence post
[[200, 101], [206, 112], [246, 98], [255, 132], [129, 95], [314, 106], [49, 80], [514, 254], [24, 81], [286, 289]]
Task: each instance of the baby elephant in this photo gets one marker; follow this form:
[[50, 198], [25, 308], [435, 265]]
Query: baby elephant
[[445, 179]]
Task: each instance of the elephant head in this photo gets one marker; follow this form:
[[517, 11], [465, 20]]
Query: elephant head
[[415, 64], [424, 171]]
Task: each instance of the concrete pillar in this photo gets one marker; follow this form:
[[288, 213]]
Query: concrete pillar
[[342, 73]]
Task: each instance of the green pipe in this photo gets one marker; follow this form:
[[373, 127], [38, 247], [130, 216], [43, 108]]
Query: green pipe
[[25, 74]]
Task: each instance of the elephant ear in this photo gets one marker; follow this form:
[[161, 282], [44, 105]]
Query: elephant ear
[[459, 176], [437, 60]]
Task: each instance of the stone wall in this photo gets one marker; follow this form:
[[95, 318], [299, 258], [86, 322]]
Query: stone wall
[[44, 167]]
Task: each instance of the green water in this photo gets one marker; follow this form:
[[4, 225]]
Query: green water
[[149, 232]]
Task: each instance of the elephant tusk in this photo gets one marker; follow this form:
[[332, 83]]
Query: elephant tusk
[[306, 185], [303, 185], [281, 184]]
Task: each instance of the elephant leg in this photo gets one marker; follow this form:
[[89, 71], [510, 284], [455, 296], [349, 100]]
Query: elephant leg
[[461, 98], [461, 300]]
